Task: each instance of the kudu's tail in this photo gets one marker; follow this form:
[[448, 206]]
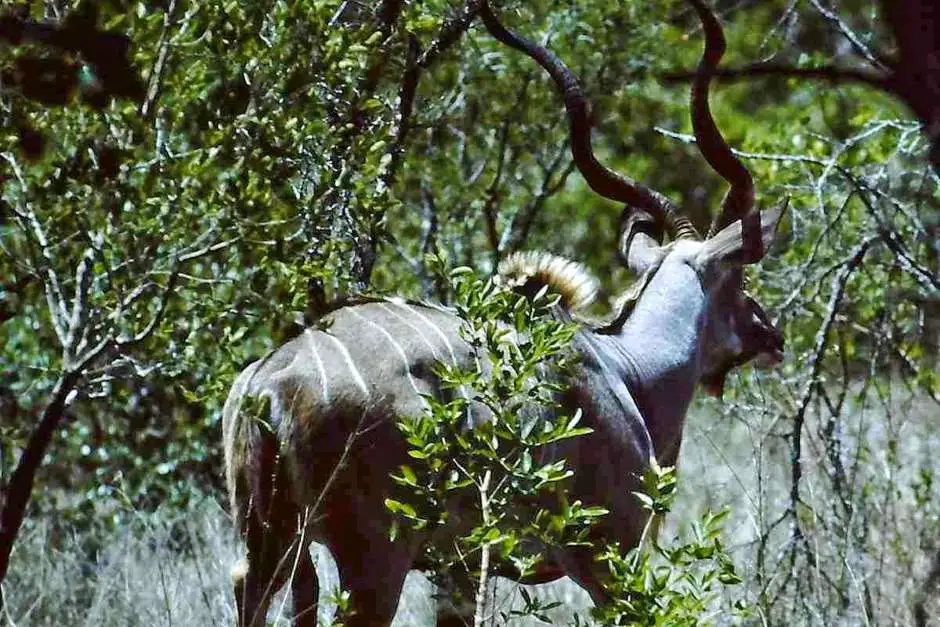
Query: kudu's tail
[[237, 435]]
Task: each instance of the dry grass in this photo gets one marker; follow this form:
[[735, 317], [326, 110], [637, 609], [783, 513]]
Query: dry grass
[[161, 570], [864, 568], [171, 568]]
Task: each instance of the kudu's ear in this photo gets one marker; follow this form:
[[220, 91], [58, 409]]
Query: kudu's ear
[[639, 248], [642, 253], [728, 245]]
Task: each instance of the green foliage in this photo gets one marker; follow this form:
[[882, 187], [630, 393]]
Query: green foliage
[[269, 173], [486, 436], [517, 507], [677, 583]]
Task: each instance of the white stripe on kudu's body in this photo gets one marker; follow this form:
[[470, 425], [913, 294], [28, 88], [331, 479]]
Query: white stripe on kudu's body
[[434, 327], [406, 363], [416, 329], [353, 370], [333, 447], [311, 342]]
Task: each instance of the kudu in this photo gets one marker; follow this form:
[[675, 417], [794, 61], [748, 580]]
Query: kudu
[[316, 466]]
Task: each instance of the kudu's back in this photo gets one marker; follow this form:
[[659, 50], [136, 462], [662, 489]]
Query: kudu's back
[[334, 389]]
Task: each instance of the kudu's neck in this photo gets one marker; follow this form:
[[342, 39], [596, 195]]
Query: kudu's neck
[[657, 352]]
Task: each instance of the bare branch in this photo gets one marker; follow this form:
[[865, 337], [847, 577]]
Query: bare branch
[[830, 73], [450, 33], [207, 250], [849, 34], [837, 291], [483, 488], [810, 261], [32, 228], [136, 294], [406, 98], [157, 317], [517, 231], [491, 206], [787, 14], [159, 66], [79, 304]]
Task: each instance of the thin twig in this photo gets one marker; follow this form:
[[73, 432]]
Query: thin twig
[[406, 98], [79, 303], [849, 34], [837, 291], [159, 66], [478, 614], [450, 33]]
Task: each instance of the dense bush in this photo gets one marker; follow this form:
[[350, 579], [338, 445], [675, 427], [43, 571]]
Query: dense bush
[[279, 155]]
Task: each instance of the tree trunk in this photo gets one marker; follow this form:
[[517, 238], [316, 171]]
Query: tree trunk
[[916, 76], [21, 481]]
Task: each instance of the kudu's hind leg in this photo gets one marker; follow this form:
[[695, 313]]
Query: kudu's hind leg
[[305, 591], [273, 558], [254, 576], [455, 597], [372, 570]]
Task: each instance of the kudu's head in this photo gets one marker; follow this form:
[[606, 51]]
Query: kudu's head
[[735, 330]]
